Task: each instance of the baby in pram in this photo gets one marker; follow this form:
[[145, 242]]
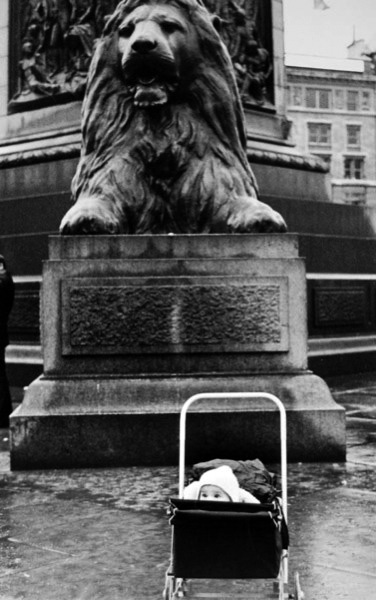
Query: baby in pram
[[219, 485]]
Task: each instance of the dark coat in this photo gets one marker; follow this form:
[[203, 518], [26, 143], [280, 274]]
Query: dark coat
[[6, 303]]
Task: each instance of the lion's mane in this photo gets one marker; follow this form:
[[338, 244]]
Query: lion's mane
[[182, 162]]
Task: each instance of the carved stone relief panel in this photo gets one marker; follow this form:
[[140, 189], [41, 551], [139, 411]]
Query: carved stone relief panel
[[52, 42], [55, 45], [119, 317], [340, 306], [247, 33]]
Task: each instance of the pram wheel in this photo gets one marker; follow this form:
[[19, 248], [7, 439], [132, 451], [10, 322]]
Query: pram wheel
[[175, 587], [169, 587], [298, 592], [167, 592]]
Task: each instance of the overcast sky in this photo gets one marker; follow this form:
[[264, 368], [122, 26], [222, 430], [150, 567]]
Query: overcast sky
[[327, 32]]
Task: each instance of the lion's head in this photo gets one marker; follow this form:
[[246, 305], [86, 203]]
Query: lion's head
[[156, 52], [159, 51]]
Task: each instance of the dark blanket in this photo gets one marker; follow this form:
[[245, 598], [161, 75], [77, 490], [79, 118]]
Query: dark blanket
[[251, 474]]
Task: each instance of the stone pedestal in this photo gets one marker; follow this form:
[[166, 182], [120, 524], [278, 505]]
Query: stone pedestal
[[132, 326]]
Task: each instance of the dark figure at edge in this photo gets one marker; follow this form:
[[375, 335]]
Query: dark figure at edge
[[6, 303]]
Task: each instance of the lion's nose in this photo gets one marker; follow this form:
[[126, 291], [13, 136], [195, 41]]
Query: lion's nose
[[144, 45]]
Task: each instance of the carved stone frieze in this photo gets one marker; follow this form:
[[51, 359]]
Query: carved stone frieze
[[56, 40], [340, 307], [129, 319], [241, 32]]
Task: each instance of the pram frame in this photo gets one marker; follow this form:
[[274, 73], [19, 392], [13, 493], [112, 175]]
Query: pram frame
[[175, 587], [235, 395]]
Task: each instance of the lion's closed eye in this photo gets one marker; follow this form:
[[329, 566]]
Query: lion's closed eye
[[126, 30], [170, 27]]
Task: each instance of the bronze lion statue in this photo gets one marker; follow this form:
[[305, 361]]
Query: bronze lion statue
[[163, 130]]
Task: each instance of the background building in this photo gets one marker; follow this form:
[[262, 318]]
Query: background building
[[332, 105]]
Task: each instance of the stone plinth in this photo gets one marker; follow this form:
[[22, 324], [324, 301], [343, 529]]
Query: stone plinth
[[134, 325]]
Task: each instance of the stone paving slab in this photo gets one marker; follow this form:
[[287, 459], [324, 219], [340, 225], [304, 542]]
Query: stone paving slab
[[78, 543], [103, 534], [333, 543]]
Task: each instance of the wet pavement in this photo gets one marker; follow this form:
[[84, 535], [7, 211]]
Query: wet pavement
[[103, 533]]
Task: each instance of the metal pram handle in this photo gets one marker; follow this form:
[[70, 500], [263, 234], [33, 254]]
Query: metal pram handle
[[235, 395]]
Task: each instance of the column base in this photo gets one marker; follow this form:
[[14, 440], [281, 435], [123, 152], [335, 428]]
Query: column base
[[111, 422]]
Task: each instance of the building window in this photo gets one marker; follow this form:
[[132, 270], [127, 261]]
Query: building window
[[318, 98], [354, 167], [339, 99], [366, 101], [319, 134], [296, 95], [353, 136], [352, 100]]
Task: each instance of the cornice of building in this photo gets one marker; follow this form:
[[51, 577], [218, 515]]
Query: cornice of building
[[354, 183], [284, 157], [68, 146], [22, 152], [298, 73], [328, 114]]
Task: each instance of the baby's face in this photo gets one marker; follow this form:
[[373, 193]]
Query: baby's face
[[213, 492]]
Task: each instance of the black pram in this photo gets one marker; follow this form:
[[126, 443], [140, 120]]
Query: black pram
[[243, 540]]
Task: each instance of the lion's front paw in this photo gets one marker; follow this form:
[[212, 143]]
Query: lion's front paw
[[256, 217], [90, 216]]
